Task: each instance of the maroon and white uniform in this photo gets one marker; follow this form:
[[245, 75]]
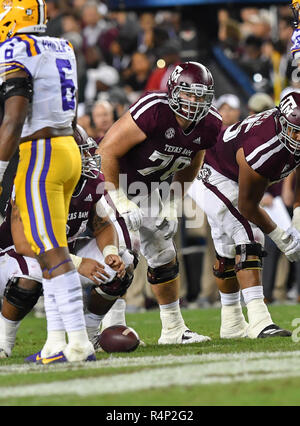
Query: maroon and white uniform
[[79, 222], [166, 150], [216, 190]]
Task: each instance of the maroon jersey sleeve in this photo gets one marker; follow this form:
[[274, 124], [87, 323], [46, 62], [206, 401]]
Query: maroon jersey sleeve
[[257, 135], [213, 128], [82, 206], [263, 150], [145, 113]]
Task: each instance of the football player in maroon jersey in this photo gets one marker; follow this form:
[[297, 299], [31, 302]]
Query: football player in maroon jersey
[[160, 144], [248, 157], [101, 270]]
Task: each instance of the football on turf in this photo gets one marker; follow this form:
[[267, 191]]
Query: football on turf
[[119, 338]]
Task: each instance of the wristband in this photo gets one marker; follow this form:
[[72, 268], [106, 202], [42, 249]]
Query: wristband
[[3, 167], [279, 237], [110, 250], [76, 260]]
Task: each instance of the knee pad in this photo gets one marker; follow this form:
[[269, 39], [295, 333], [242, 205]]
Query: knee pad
[[21, 298], [115, 288], [252, 249], [163, 274], [226, 269]]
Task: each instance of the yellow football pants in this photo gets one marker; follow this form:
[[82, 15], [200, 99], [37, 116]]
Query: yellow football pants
[[47, 174]]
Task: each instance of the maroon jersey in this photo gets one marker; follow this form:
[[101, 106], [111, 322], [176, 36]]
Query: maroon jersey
[[80, 213], [167, 148], [258, 136], [81, 209]]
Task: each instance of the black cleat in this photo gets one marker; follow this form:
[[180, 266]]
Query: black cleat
[[273, 330]]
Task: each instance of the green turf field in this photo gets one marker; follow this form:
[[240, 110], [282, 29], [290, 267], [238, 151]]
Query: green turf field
[[220, 372]]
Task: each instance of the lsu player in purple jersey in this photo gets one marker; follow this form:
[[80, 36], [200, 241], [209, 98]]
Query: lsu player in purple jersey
[[295, 49], [159, 144], [248, 157], [103, 278]]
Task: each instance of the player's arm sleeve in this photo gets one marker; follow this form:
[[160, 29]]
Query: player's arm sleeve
[[16, 71], [214, 132], [261, 161], [145, 115], [17, 86]]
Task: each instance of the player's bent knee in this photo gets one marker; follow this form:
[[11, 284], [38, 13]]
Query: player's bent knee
[[24, 299], [224, 268], [163, 274], [246, 251]]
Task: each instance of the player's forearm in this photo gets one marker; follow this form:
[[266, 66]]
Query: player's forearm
[[9, 140], [259, 217], [15, 112], [110, 168], [107, 237], [104, 230]]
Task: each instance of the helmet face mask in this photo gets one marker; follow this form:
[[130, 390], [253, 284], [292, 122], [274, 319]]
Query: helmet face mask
[[90, 161], [190, 91], [22, 16], [289, 120]]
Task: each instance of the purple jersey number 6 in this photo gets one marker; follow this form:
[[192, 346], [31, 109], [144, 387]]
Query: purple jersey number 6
[[67, 85]]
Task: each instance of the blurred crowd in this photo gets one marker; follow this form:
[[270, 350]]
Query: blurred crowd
[[123, 54]]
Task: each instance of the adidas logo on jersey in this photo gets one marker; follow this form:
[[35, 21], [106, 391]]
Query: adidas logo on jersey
[[286, 167], [88, 198], [197, 141]]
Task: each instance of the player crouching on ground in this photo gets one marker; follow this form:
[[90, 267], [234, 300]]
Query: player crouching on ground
[[248, 157], [101, 268]]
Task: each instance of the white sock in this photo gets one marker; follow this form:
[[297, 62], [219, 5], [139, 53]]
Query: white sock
[[93, 323], [8, 332], [171, 317], [228, 299], [258, 315], [56, 336], [68, 295], [54, 320], [116, 314], [252, 293], [69, 299]]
